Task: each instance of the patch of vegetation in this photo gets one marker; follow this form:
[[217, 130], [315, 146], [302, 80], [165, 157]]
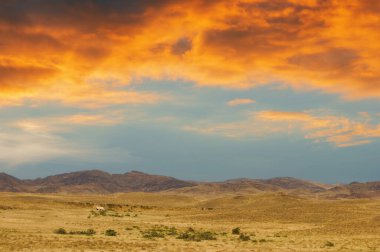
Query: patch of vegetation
[[190, 229], [89, 231], [110, 213], [151, 234], [147, 207], [84, 232], [113, 214], [329, 244], [207, 208], [236, 231], [192, 235], [110, 232], [60, 231], [171, 231], [159, 232], [244, 237]]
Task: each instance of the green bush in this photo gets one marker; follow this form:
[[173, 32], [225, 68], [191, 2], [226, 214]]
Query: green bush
[[236, 231], [159, 232], [171, 231], [192, 235], [206, 235], [60, 231], [188, 236], [110, 232]]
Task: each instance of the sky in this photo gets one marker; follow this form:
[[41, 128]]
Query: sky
[[200, 90]]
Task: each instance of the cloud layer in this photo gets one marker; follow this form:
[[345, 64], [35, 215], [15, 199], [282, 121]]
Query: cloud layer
[[319, 127], [81, 52]]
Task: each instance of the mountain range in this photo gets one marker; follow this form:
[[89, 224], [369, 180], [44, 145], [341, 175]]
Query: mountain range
[[100, 182]]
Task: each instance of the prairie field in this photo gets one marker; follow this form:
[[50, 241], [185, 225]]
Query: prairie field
[[168, 222]]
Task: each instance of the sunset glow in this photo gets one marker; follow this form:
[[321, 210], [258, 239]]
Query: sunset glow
[[140, 81]]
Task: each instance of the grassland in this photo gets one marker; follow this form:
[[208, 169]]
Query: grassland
[[162, 222]]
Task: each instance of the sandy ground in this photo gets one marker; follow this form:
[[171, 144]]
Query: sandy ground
[[155, 222]]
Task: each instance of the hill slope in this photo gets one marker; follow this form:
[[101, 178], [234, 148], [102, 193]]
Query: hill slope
[[96, 181], [10, 184], [93, 181]]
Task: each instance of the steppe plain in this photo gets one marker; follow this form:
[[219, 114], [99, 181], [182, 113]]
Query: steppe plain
[[174, 222]]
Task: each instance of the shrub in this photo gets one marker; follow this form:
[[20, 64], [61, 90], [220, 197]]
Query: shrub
[[188, 236], [192, 235], [159, 232], [329, 244], [236, 231], [110, 232], [244, 237], [90, 231], [97, 213], [85, 232], [171, 231], [60, 231], [190, 229], [206, 235]]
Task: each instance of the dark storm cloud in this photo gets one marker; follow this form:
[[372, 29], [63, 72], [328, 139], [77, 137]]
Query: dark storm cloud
[[85, 14]]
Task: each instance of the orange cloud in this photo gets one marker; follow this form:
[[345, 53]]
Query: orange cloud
[[240, 101], [51, 50], [336, 130], [83, 119]]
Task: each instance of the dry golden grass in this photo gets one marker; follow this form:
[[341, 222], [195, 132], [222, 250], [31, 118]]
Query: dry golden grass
[[274, 222]]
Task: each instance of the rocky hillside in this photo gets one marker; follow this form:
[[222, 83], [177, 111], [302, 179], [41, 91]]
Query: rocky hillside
[[96, 181], [93, 181]]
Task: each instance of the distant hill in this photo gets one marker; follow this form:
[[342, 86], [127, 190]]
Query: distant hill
[[249, 186], [96, 181], [11, 184], [354, 190], [92, 181]]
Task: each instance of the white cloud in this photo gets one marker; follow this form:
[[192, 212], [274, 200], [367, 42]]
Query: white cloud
[[36, 141], [22, 146]]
